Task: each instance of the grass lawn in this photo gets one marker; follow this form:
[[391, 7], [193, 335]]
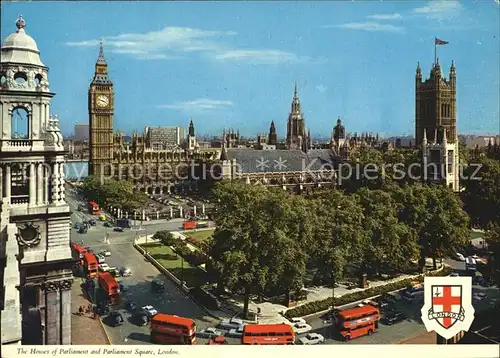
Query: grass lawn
[[201, 235], [193, 275]]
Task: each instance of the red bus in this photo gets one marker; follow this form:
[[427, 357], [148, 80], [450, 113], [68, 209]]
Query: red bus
[[110, 286], [94, 208], [170, 329], [90, 265], [78, 250], [357, 321], [268, 334], [189, 225]]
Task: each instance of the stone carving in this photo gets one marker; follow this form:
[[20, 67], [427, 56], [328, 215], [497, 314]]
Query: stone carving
[[28, 235], [51, 286], [53, 135], [66, 284]]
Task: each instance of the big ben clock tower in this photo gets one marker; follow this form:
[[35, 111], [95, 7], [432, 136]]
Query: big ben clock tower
[[101, 101]]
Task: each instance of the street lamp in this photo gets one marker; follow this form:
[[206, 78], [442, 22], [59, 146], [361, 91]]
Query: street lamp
[[182, 271]]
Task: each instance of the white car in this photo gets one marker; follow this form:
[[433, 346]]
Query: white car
[[236, 332], [460, 257], [231, 323], [296, 320], [149, 310], [106, 253], [312, 338], [454, 274], [301, 328], [104, 267], [209, 332]]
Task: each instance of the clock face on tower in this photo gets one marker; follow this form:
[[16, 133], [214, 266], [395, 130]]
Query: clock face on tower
[[102, 101]]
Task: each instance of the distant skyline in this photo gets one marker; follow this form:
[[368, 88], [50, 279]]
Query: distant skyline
[[235, 66]]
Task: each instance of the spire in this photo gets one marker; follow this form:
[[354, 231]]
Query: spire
[[296, 101], [339, 121], [295, 92], [419, 70], [191, 128], [100, 59], [20, 23]]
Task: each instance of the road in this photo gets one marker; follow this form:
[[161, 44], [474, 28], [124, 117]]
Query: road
[[173, 301], [405, 329]]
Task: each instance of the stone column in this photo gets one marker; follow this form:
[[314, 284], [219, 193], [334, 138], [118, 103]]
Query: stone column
[[46, 184], [52, 314], [40, 182], [55, 183], [157, 215], [61, 182], [180, 211], [171, 212], [1, 183], [203, 209], [8, 183], [43, 309], [194, 210], [32, 184], [143, 214], [66, 312]]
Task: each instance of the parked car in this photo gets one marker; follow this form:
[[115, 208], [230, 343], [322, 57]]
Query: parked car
[[454, 274], [301, 328], [158, 286], [100, 259], [104, 267], [235, 332], [296, 320], [106, 253], [209, 333], [393, 317], [149, 310], [217, 341], [382, 303], [130, 306], [231, 323], [371, 302], [115, 318], [114, 271], [92, 222], [141, 318], [388, 298], [118, 229], [78, 225], [312, 338], [82, 230], [125, 272]]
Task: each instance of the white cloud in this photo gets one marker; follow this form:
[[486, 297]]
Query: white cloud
[[321, 88], [260, 56], [440, 9], [174, 42], [394, 16], [198, 105], [368, 26]]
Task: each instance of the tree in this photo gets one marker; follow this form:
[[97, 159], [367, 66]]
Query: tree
[[437, 216], [482, 191], [165, 237], [493, 240], [252, 250], [390, 244], [119, 194]]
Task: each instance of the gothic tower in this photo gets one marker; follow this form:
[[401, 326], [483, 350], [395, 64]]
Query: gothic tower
[[436, 126], [101, 109], [435, 103], [191, 139], [273, 136], [296, 137], [35, 254]]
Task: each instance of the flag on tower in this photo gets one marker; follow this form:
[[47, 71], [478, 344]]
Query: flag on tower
[[440, 42]]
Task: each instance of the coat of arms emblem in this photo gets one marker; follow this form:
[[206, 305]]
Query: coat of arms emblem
[[448, 305]]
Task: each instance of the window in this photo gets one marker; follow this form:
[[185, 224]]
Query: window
[[38, 79], [19, 183], [20, 123], [450, 161], [20, 77], [3, 78]]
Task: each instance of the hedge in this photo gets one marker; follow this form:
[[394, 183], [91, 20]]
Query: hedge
[[323, 305]]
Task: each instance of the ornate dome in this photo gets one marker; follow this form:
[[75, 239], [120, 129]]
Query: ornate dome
[[20, 48]]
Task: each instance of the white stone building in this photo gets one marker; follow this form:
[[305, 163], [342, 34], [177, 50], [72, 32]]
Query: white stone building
[[35, 253]]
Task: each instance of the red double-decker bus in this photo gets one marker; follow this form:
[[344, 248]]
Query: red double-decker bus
[[358, 321], [110, 286], [90, 264], [94, 208], [78, 250], [268, 334], [170, 329]]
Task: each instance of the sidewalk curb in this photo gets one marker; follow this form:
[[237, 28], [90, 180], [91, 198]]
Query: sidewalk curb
[[105, 331], [364, 299]]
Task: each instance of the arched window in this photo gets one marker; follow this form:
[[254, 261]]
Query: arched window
[[20, 77], [20, 123], [38, 79], [3, 78]]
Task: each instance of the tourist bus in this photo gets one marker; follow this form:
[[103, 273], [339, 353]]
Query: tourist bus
[[110, 287], [94, 208], [414, 292], [268, 334], [357, 321], [170, 329], [77, 250], [90, 264]]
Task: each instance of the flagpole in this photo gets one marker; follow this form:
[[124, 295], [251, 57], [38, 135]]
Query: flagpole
[[435, 50]]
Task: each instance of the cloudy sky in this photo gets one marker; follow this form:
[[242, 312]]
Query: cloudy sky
[[234, 64]]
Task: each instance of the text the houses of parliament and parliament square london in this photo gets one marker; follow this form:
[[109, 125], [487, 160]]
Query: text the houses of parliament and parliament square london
[[295, 163]]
